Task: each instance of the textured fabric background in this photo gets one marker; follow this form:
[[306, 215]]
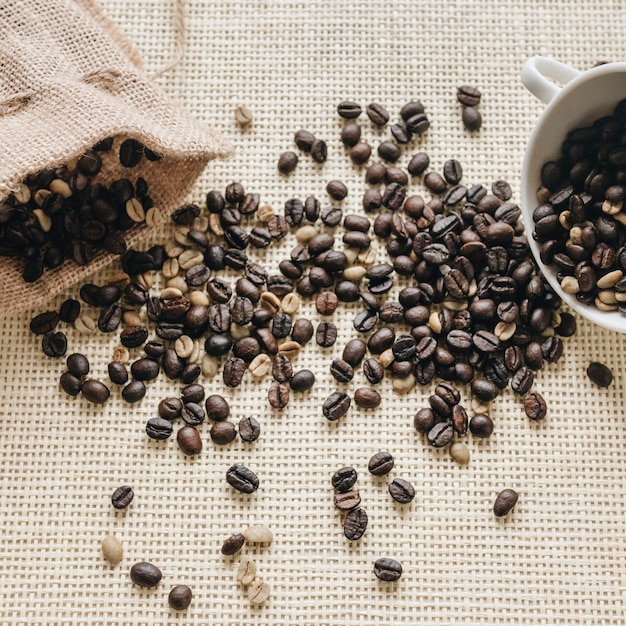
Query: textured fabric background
[[559, 559]]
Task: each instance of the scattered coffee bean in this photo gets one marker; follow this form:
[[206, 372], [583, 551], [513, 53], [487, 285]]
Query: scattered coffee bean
[[259, 592], [223, 433], [535, 406], [287, 162], [159, 428], [347, 500], [599, 374], [367, 398], [344, 479], [401, 490], [302, 380], [440, 435], [278, 395], [145, 574], [180, 597], [242, 479], [472, 119], [355, 524], [189, 441], [233, 544], [481, 426], [468, 96], [348, 109], [380, 464], [95, 392], [122, 497], [336, 405], [246, 571], [249, 429], [505, 502], [387, 570]]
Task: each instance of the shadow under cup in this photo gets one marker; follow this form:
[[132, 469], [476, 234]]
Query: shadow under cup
[[586, 98]]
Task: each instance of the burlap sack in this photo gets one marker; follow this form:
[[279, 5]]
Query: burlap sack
[[68, 79]]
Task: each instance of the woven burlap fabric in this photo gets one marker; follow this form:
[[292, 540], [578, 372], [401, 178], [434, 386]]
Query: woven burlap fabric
[[69, 79], [559, 559]]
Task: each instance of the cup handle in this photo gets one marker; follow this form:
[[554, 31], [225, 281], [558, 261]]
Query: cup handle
[[538, 74]]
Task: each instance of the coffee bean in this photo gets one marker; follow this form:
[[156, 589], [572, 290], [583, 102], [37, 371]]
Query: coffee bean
[[249, 429], [380, 463], [472, 119], [95, 392], [341, 371], [354, 351], [287, 162], [336, 405], [522, 380], [355, 524], [326, 334], [401, 490], [389, 151], [242, 479], [233, 372], [460, 453], [233, 544], [481, 426], [401, 133], [134, 391], [70, 384], [319, 151], [344, 479], [373, 371], [387, 570], [282, 370], [44, 322], [158, 428], [278, 395], [180, 597], [348, 109], [484, 389], [504, 502], [468, 96], [535, 406], [189, 441], [192, 414], [377, 114], [112, 549], [367, 398], [246, 572], [336, 190], [223, 433], [347, 500], [145, 369], [259, 592], [424, 420], [418, 164], [122, 497], [440, 435], [452, 171], [459, 419], [145, 574], [217, 408], [302, 380], [600, 374], [360, 153], [304, 140]]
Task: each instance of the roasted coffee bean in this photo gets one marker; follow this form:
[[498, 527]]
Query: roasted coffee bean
[[380, 463], [242, 479], [401, 133], [287, 162], [387, 570], [440, 435], [302, 380], [522, 380], [170, 408], [418, 124], [373, 371], [134, 391], [180, 597], [504, 502], [192, 414], [439, 406], [278, 395], [354, 351], [459, 419], [424, 420], [360, 153], [304, 140], [70, 384], [145, 574], [348, 109], [600, 374], [95, 392], [377, 114], [44, 322], [418, 164], [355, 524], [347, 500], [468, 96], [401, 490], [69, 310], [326, 334], [54, 345], [122, 497], [389, 151], [535, 406], [331, 216], [145, 369], [233, 372], [192, 393], [130, 153], [484, 389], [189, 441], [233, 544], [344, 479], [341, 371], [319, 151], [394, 196], [481, 425], [424, 371], [249, 429], [336, 405], [223, 433], [282, 370], [452, 171], [472, 119], [367, 398], [133, 336], [337, 190], [158, 428], [172, 364], [485, 341], [217, 407]]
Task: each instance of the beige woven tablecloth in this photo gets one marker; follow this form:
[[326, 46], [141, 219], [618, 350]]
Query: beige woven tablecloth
[[559, 559]]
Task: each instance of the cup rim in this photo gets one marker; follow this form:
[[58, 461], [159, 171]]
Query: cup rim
[[612, 320]]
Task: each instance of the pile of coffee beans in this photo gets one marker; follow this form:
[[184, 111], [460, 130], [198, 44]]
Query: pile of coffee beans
[[65, 213], [579, 222], [471, 307]]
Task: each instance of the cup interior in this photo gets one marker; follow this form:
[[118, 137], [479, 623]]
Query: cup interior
[[580, 102]]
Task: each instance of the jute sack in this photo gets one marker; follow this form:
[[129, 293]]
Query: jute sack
[[69, 79]]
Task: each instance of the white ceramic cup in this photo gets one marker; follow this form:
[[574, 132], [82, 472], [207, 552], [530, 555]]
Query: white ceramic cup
[[583, 98]]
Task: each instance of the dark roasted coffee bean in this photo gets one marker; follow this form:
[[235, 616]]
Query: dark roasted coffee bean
[[217, 408], [54, 345], [504, 502], [535, 406], [424, 420], [281, 325], [282, 370], [472, 119], [319, 151], [402, 491], [302, 380], [233, 544], [336, 190], [233, 371], [44, 322], [486, 341], [448, 393], [131, 152], [287, 162], [344, 479], [346, 500], [367, 398], [393, 196], [401, 133], [387, 570], [336, 405], [350, 134], [134, 391], [468, 96], [192, 414], [294, 212], [377, 114], [122, 497], [481, 426], [389, 151], [170, 408], [302, 331], [348, 109], [69, 311], [331, 215], [341, 371], [484, 389], [355, 524], [249, 429], [373, 371], [278, 395], [133, 336], [380, 463], [158, 428], [418, 124], [452, 171], [145, 369], [145, 574], [190, 373], [246, 348], [522, 380], [242, 479], [70, 384], [439, 406], [172, 364], [418, 164], [424, 371], [497, 372], [459, 419], [223, 433], [326, 334], [95, 392], [304, 140], [189, 441], [600, 374], [360, 153]]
